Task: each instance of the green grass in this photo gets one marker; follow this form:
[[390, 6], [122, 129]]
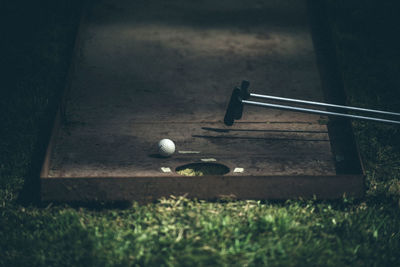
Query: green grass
[[177, 231]]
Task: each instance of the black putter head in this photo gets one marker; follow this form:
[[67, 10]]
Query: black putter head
[[235, 108], [244, 94]]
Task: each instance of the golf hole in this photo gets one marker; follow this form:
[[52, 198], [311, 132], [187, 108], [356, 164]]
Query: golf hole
[[201, 169]]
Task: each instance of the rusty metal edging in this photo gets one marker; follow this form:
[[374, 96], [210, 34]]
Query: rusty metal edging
[[60, 113], [147, 189]]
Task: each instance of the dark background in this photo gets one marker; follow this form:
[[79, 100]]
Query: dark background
[[37, 40]]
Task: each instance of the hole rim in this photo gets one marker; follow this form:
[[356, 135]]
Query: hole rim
[[226, 169]]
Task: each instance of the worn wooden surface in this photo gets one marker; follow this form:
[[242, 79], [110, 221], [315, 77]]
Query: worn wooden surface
[[148, 70]]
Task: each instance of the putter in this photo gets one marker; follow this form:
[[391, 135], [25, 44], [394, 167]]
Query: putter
[[240, 97]]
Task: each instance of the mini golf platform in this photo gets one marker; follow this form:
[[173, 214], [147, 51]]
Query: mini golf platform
[[147, 70]]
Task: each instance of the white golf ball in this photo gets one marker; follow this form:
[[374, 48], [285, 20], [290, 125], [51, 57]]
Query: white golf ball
[[166, 147]]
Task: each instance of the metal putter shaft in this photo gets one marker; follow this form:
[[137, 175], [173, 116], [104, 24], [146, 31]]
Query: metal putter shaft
[[323, 104], [241, 95]]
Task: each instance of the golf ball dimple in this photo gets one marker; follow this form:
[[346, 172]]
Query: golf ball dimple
[[166, 147]]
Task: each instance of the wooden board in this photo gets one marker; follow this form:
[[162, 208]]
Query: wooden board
[[148, 70]]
